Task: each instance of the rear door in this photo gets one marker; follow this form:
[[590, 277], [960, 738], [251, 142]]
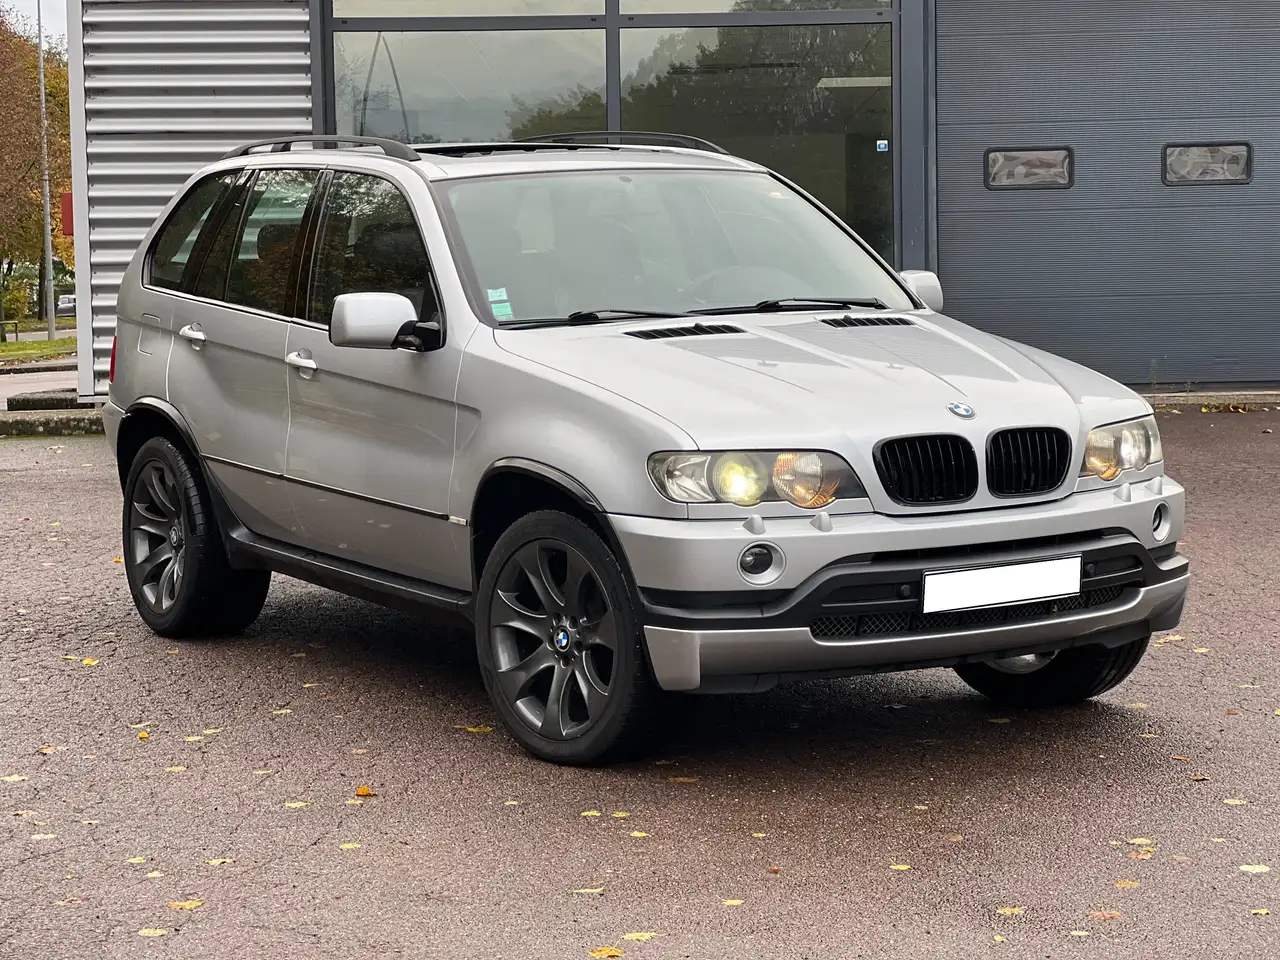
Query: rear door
[[372, 431], [227, 374]]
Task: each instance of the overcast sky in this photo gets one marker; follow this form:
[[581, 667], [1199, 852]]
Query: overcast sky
[[55, 14]]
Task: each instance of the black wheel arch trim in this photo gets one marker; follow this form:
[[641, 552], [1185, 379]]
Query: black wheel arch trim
[[542, 471]]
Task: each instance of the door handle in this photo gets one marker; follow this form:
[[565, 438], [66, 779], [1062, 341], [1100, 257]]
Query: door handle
[[193, 333], [302, 360]]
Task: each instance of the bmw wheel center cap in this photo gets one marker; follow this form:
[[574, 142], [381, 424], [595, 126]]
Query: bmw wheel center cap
[[562, 639], [961, 410]]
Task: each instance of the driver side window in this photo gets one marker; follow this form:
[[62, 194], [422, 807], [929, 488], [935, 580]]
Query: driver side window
[[369, 242]]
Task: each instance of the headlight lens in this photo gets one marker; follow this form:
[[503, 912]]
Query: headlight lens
[[809, 479], [1132, 445]]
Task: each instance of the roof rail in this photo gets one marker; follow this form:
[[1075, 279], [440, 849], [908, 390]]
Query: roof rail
[[392, 148], [623, 136]]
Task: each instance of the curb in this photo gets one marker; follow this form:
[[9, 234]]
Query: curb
[[39, 366], [1216, 399], [50, 423]]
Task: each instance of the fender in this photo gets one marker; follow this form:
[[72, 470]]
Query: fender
[[551, 474]]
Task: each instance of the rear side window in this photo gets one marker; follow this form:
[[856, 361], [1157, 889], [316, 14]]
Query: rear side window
[[369, 242], [265, 260], [177, 238]]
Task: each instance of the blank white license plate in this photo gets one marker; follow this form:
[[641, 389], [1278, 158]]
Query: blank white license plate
[[1000, 586]]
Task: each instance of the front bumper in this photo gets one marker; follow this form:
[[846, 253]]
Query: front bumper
[[848, 600]]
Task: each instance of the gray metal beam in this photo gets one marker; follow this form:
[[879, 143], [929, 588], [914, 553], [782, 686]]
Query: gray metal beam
[[912, 147]]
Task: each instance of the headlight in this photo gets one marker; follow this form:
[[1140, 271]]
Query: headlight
[[810, 479], [1132, 445]]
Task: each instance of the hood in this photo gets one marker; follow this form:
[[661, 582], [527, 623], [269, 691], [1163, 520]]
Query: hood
[[818, 380]]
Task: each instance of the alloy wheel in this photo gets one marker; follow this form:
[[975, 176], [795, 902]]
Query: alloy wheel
[[157, 536], [554, 638]]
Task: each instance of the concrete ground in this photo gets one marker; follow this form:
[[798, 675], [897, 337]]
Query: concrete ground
[[1140, 825], [34, 382]]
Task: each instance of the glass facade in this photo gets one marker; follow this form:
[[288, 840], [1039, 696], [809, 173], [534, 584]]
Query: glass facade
[[805, 87]]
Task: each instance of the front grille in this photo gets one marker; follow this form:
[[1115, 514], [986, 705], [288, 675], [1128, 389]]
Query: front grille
[[888, 624], [694, 330], [1027, 461], [928, 470], [872, 321]]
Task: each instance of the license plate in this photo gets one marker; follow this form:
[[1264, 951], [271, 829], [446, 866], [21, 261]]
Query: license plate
[[1001, 586]]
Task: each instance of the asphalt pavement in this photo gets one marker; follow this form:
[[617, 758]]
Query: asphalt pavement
[[34, 382], [898, 816]]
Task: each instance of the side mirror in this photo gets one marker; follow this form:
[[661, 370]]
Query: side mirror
[[925, 285], [381, 321]]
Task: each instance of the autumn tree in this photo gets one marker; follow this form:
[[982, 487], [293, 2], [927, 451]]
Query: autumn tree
[[21, 203]]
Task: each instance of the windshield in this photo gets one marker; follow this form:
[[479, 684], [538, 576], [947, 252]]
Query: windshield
[[550, 245]]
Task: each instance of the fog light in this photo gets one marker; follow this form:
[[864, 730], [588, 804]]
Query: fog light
[[756, 560], [1160, 523]]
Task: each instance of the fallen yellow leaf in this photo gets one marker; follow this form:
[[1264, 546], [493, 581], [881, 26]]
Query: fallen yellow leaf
[[1173, 638], [143, 735], [365, 792], [1103, 915], [759, 836], [589, 813], [212, 730], [682, 779], [638, 833], [354, 802], [1009, 911], [1128, 884], [296, 804], [151, 931], [1200, 650], [1255, 868], [89, 662], [590, 890], [68, 657], [920, 806], [999, 939], [173, 651], [1139, 854], [478, 729], [1218, 839], [49, 750], [140, 726], [44, 836], [263, 773], [605, 952], [117, 559], [732, 903], [1234, 802], [219, 861], [956, 837], [1260, 912], [348, 846], [309, 686], [282, 711], [175, 769], [997, 720], [14, 778], [185, 904], [360, 751], [642, 937], [154, 875], [899, 866], [193, 738], [136, 860], [511, 803], [1142, 842], [619, 814], [1079, 933], [1137, 706]]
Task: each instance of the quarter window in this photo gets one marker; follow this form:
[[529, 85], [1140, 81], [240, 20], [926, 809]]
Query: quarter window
[[266, 250], [369, 241], [1207, 163], [177, 238], [1051, 168]]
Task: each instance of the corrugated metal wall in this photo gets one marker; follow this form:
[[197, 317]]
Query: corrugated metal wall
[[168, 87], [1141, 280]]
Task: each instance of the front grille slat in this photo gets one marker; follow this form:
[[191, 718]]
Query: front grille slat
[[928, 470], [890, 624], [1027, 460]]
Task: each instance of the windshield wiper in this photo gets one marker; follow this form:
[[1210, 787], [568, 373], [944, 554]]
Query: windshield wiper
[[796, 303], [603, 315]]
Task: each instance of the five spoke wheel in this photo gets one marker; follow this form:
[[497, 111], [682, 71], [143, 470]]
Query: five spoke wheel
[[554, 639]]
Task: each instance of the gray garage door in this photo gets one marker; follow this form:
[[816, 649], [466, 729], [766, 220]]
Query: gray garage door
[[1150, 250]]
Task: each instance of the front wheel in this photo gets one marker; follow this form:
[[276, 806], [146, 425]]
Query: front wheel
[[1054, 679], [560, 644]]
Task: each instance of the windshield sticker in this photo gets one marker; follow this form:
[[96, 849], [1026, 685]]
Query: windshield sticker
[[499, 294], [500, 309]]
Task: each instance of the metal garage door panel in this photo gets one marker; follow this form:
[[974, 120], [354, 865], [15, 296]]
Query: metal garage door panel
[[1141, 280]]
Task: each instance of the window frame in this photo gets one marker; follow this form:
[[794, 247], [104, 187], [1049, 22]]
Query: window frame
[[216, 212], [997, 188], [1164, 164], [309, 260]]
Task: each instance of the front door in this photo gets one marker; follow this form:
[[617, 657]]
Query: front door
[[371, 434]]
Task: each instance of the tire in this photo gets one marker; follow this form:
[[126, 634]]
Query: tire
[[534, 638], [1070, 676], [177, 567]]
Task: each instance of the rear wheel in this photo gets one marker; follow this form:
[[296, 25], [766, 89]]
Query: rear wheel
[[560, 643], [181, 581], [1053, 679]]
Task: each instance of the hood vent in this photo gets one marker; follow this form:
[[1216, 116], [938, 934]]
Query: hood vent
[[873, 321], [697, 330]]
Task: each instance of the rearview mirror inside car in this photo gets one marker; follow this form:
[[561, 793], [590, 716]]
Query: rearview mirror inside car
[[925, 285], [381, 321]]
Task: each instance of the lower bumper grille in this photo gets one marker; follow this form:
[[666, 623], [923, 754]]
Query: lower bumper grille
[[906, 622]]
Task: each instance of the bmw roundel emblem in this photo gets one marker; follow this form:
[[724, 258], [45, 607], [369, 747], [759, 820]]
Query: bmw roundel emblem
[[562, 639], [961, 410]]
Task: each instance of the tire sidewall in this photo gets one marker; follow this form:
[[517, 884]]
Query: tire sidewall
[[629, 681]]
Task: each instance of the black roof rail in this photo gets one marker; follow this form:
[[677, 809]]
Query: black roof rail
[[392, 148], [623, 136]]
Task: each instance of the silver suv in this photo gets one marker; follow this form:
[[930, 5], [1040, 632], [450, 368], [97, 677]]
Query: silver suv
[[649, 416]]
